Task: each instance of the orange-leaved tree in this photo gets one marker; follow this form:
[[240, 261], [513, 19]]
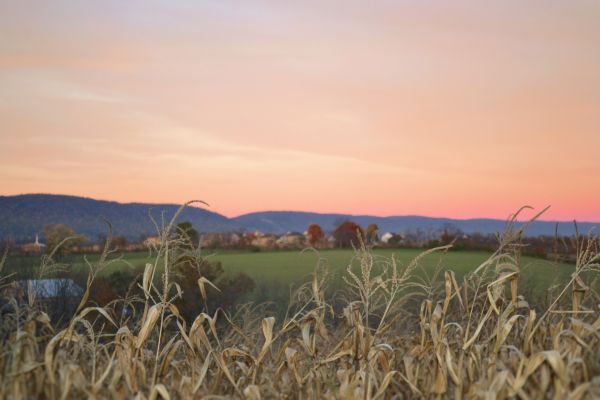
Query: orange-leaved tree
[[347, 234], [315, 235]]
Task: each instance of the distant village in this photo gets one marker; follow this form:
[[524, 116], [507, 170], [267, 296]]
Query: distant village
[[345, 235], [255, 240]]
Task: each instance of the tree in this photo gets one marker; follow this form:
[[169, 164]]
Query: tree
[[372, 234], [347, 234], [187, 235], [60, 239], [449, 234], [187, 272], [119, 242], [102, 291], [315, 235], [445, 238]]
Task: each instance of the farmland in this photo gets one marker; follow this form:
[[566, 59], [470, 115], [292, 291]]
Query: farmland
[[376, 340], [275, 271]]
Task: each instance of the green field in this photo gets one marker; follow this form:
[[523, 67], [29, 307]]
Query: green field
[[292, 266], [275, 271]]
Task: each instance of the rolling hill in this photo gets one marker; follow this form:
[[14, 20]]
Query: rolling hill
[[21, 217], [24, 216], [286, 221]]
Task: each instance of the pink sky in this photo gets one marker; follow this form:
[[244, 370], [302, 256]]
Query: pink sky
[[433, 108]]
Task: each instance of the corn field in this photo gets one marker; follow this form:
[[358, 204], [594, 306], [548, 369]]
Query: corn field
[[392, 334]]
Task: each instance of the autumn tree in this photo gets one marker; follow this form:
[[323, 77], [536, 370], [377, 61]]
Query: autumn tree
[[445, 238], [347, 234], [372, 233], [449, 234], [315, 235], [60, 239]]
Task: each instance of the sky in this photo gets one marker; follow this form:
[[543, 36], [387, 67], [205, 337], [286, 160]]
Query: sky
[[449, 108]]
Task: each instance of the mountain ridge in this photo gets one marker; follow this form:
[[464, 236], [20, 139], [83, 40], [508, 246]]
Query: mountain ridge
[[24, 216], [279, 222]]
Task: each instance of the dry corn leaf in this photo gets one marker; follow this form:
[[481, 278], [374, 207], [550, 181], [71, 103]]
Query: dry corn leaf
[[159, 389], [148, 324], [201, 282]]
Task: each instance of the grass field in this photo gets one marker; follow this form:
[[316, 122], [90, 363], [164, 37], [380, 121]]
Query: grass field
[[275, 271], [293, 266]]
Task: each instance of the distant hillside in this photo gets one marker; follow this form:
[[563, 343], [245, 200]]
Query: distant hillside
[[286, 221], [21, 217]]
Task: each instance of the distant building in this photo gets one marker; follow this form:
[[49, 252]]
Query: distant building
[[235, 239], [59, 298], [44, 289], [35, 247], [264, 241], [291, 240], [211, 240], [392, 239], [330, 241], [385, 238], [217, 240], [131, 247], [152, 242]]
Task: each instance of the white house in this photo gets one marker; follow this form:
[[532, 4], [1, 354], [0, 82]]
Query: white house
[[385, 238]]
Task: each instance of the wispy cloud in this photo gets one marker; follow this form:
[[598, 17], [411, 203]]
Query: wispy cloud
[[45, 84]]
